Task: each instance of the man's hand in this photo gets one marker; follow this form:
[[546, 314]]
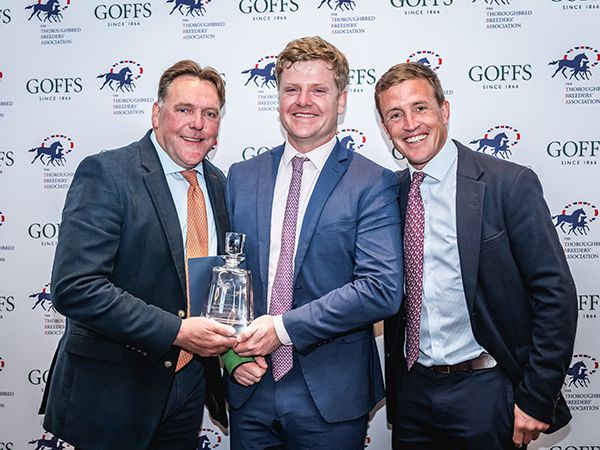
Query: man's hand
[[259, 338], [526, 428], [204, 337], [250, 373]]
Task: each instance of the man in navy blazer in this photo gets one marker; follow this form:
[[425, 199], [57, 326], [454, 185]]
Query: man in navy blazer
[[347, 268], [498, 309], [119, 277]]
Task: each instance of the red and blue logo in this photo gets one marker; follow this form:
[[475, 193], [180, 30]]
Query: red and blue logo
[[338, 5], [575, 218], [577, 63], [50, 11], [53, 150], [428, 58], [43, 299], [582, 367], [189, 7], [122, 76], [209, 439], [351, 139], [263, 72], [499, 140]]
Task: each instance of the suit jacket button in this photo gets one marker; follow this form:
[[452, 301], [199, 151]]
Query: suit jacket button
[[168, 364], [181, 314]]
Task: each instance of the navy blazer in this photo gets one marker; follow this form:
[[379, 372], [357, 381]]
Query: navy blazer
[[119, 278], [520, 293], [347, 273]]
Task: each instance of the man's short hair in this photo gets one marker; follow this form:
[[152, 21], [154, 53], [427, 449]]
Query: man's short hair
[[192, 68], [408, 71], [314, 48]]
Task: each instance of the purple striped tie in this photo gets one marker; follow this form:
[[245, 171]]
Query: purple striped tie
[[283, 284], [414, 235]]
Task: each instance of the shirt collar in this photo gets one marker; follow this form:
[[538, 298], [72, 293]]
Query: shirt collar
[[169, 166], [317, 157], [440, 163]]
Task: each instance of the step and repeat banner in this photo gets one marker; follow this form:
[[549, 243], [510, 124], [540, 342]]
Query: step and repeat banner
[[80, 76]]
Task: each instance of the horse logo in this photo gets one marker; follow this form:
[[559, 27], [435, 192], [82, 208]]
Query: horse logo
[[351, 139], [53, 443], [43, 298], [263, 76], [122, 74], [49, 11], [209, 439], [497, 140], [347, 5], [576, 217], [577, 63], [427, 58], [578, 374], [496, 2], [194, 7], [55, 148]]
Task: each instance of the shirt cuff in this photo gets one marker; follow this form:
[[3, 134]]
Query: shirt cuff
[[283, 336]]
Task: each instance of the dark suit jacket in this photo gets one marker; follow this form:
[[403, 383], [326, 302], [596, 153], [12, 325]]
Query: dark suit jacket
[[119, 278], [348, 270], [519, 290]]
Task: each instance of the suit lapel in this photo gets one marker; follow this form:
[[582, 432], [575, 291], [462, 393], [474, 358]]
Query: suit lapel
[[334, 168], [162, 199], [469, 215], [404, 177], [217, 202], [264, 203]]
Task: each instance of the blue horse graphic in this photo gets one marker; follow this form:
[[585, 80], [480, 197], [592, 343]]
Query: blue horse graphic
[[267, 74], [204, 443], [578, 374], [53, 443], [124, 77], [577, 219], [424, 61], [42, 299], [498, 145], [54, 152], [51, 8], [195, 7], [579, 66], [348, 143], [340, 4], [496, 2]]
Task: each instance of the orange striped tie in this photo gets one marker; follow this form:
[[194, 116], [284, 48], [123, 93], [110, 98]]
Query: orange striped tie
[[196, 243]]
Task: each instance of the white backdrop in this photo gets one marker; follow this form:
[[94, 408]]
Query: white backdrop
[[496, 60]]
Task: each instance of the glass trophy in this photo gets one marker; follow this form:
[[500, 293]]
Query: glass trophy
[[230, 298]]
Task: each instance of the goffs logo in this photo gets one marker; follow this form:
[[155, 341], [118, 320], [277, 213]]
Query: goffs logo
[[189, 7], [52, 443], [352, 139], [209, 439], [121, 76], [342, 5], [577, 63], [578, 374], [54, 149], [263, 72], [499, 140], [43, 299], [51, 11], [575, 218], [427, 58]]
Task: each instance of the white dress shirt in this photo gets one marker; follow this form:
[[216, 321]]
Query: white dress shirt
[[310, 174], [445, 336], [179, 187]]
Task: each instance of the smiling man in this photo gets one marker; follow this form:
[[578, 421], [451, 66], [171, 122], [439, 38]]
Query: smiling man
[[323, 244], [477, 355], [132, 369]]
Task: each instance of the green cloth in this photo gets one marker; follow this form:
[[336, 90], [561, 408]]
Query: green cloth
[[232, 360]]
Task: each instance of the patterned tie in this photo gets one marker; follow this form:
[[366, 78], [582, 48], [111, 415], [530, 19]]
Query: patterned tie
[[196, 243], [283, 284], [414, 232]]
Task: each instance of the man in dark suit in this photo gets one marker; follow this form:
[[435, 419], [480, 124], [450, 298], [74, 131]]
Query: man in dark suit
[[323, 233], [490, 308], [119, 277]]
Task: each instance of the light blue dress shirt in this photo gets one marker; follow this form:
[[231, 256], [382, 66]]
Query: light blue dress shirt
[[445, 336], [179, 187]]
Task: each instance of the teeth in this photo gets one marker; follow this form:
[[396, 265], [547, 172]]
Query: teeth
[[191, 139], [413, 139], [305, 115]]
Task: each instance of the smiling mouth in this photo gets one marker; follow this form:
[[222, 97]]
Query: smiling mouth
[[304, 115], [189, 139], [415, 139]]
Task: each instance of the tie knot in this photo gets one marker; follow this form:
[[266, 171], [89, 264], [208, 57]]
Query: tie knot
[[298, 163], [417, 178], [190, 176]]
